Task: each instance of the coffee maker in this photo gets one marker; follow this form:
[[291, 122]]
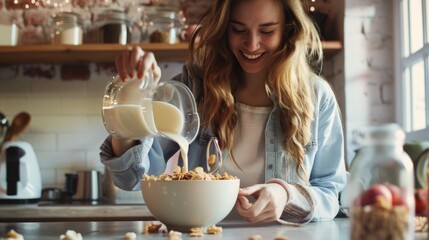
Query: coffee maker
[[20, 179]]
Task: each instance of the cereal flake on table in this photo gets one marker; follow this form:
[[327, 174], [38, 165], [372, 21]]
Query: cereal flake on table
[[214, 229], [71, 235], [152, 227], [174, 235], [195, 174], [130, 236], [12, 235], [255, 237], [196, 232]]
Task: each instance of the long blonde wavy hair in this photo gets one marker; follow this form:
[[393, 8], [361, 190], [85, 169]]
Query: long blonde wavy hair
[[289, 81]]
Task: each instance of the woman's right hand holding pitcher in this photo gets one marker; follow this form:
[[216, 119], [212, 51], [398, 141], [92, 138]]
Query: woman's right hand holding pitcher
[[136, 61]]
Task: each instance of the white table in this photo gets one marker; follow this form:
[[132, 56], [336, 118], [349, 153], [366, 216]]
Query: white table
[[330, 230]]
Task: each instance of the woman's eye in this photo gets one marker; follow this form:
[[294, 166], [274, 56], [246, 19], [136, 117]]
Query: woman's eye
[[267, 32], [238, 30]]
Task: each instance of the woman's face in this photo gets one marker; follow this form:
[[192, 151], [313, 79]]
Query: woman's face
[[255, 32]]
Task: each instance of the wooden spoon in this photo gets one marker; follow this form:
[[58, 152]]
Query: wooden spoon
[[19, 123]]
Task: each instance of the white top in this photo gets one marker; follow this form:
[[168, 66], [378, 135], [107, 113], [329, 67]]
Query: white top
[[249, 151], [249, 145]]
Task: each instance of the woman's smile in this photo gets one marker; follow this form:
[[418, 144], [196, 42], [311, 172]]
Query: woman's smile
[[250, 56]]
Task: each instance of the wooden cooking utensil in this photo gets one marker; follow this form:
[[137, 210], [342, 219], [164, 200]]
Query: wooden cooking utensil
[[19, 123]]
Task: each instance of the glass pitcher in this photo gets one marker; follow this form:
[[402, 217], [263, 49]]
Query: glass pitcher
[[138, 108]]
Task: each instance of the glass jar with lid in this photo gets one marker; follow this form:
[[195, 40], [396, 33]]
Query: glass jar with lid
[[9, 36], [67, 28], [381, 187], [114, 27], [162, 25]]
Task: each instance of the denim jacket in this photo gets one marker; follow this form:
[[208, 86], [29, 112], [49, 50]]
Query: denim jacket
[[324, 158]]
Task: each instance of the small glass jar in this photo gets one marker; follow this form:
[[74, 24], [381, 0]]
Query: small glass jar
[[381, 190], [9, 36], [114, 26], [67, 28], [162, 25]]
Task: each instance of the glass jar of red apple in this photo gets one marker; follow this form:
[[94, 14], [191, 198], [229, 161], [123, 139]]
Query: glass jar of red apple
[[381, 186]]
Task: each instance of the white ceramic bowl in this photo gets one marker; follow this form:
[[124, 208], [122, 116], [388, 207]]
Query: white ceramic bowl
[[182, 205]]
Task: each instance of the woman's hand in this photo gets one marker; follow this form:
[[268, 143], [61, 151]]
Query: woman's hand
[[270, 200], [128, 64], [120, 146], [135, 60]]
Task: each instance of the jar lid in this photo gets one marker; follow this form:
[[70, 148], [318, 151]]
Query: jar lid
[[114, 15], [67, 18], [383, 134], [164, 14]]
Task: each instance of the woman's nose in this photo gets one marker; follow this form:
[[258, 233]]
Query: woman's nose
[[252, 42]]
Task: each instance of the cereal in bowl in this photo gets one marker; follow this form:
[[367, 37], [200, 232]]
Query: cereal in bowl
[[195, 174]]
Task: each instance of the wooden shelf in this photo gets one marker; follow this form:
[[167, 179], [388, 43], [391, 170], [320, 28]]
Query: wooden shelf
[[85, 53], [330, 48], [30, 54]]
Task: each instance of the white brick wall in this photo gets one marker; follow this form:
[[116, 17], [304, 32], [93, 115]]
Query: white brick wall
[[368, 81]]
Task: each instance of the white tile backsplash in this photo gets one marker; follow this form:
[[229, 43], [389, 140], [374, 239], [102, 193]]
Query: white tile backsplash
[[10, 88], [75, 141], [76, 106], [61, 159], [41, 141], [58, 89]]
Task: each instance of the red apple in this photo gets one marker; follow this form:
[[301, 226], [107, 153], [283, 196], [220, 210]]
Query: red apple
[[396, 194], [377, 194], [421, 197]]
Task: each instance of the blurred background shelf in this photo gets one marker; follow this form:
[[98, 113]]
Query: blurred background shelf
[[27, 54]]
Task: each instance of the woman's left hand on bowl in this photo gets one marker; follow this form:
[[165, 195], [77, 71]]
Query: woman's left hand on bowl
[[270, 200]]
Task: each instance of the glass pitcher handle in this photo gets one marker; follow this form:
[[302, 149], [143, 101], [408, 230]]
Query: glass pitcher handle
[[213, 156]]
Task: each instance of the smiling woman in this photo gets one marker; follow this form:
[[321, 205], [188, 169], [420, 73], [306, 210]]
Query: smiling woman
[[276, 120]]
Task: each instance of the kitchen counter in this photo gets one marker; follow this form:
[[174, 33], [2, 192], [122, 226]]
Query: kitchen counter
[[74, 212], [332, 230], [112, 221]]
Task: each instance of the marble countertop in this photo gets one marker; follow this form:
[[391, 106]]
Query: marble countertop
[[338, 229], [333, 230], [112, 221]]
